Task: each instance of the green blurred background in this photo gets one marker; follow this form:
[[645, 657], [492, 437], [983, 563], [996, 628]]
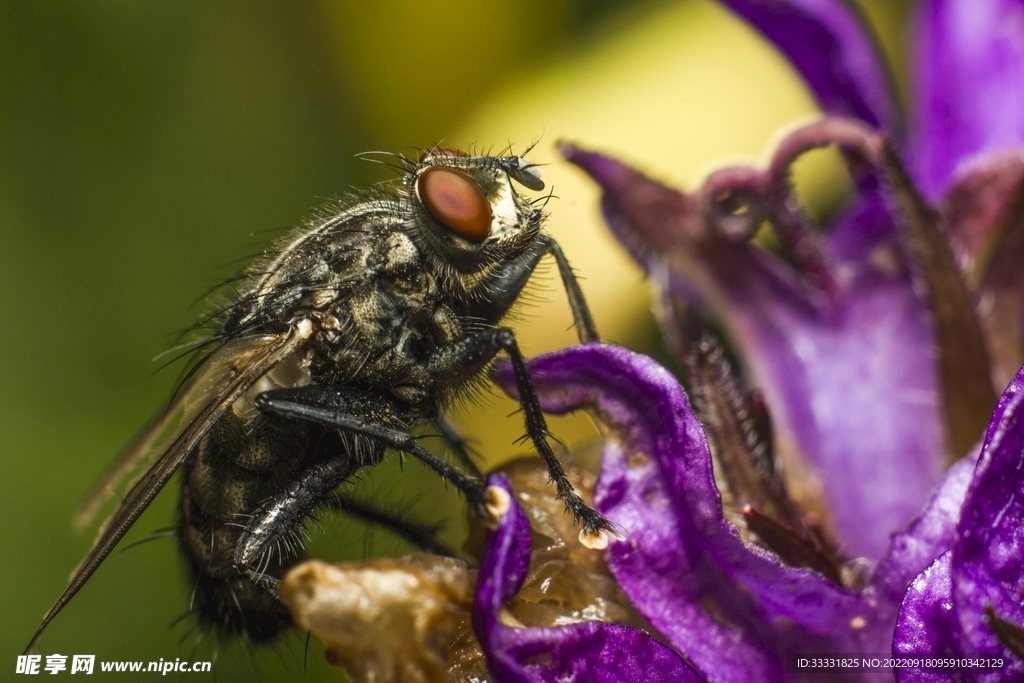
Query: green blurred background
[[146, 147]]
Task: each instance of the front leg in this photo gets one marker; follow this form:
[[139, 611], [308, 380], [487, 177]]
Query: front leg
[[501, 287], [468, 357]]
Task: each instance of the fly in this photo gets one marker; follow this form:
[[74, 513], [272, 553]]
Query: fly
[[363, 323]]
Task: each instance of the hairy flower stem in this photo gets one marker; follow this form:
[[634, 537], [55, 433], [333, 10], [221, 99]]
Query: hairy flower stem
[[964, 366], [739, 428]]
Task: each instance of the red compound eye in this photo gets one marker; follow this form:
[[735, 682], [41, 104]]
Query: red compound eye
[[456, 201]]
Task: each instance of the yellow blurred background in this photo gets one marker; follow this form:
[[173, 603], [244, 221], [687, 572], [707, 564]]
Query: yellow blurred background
[[146, 147]]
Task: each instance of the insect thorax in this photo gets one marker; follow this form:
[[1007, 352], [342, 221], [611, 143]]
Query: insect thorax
[[378, 306]]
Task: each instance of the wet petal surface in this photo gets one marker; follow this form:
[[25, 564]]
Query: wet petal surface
[[987, 561]]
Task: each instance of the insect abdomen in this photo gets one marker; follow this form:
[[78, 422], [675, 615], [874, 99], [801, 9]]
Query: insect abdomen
[[233, 469]]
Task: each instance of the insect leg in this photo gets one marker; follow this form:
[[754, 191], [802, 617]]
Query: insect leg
[[421, 535], [280, 518], [454, 441], [582, 319], [470, 355], [503, 286], [319, 404]]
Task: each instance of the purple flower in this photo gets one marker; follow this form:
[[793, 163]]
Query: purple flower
[[875, 345], [734, 610], [872, 351]]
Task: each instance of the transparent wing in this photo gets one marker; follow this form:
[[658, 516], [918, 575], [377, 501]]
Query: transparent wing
[[165, 444], [208, 381]]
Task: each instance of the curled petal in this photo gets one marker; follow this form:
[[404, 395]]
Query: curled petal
[[969, 62], [988, 560], [831, 46], [683, 565], [589, 651]]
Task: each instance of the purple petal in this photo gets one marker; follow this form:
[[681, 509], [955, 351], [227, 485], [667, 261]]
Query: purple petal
[[852, 387], [591, 651], [831, 46], [862, 226], [666, 571], [734, 610], [927, 624], [988, 560], [969, 90], [927, 537]]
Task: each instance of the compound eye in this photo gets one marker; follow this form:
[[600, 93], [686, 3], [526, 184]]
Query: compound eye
[[456, 201]]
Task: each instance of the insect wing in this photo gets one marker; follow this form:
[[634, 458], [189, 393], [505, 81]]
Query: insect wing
[[209, 379], [226, 375]]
